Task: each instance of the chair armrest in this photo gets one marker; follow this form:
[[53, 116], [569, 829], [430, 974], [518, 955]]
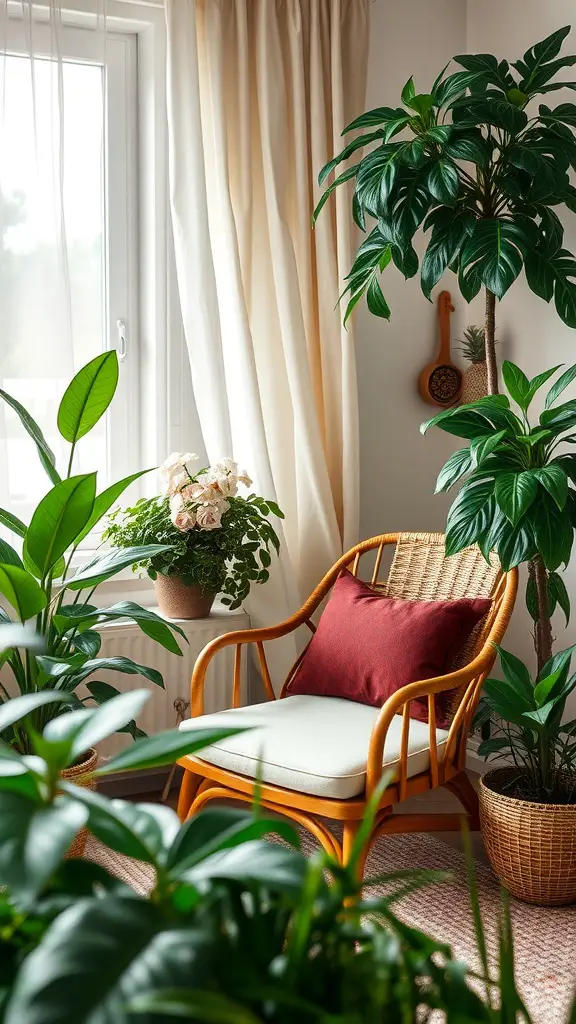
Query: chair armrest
[[475, 671]]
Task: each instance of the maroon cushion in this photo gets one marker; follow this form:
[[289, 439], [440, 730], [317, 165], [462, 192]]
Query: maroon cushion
[[367, 646]]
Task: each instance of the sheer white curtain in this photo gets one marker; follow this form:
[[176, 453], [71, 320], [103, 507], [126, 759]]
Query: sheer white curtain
[[258, 94], [52, 230]]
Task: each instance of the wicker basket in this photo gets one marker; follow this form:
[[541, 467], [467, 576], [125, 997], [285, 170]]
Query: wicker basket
[[179, 601], [74, 775], [531, 846]]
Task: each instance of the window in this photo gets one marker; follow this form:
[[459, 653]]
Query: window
[[68, 245]]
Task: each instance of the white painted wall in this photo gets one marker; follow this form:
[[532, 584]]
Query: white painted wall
[[398, 466]]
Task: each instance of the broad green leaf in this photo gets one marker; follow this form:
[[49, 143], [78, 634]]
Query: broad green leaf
[[376, 176], [56, 572], [88, 396], [101, 693], [516, 673], [380, 115], [98, 723], [559, 660], [477, 418], [150, 623], [218, 829], [555, 480], [408, 92], [515, 545], [517, 383], [470, 515], [482, 447], [8, 556], [561, 417], [515, 492], [457, 465], [376, 302], [140, 831], [545, 687], [45, 453], [506, 701], [102, 567], [561, 384], [56, 667], [254, 862], [495, 250], [33, 841], [59, 518], [87, 642], [553, 532], [13, 523], [546, 49], [193, 1004], [21, 591], [493, 746], [443, 248], [540, 379], [82, 958], [164, 748], [470, 147], [104, 501], [120, 664], [444, 181], [18, 708]]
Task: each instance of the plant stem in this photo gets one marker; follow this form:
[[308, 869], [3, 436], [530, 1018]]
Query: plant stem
[[489, 342], [543, 627]]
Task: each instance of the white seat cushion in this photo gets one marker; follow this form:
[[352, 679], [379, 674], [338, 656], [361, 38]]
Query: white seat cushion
[[315, 745]]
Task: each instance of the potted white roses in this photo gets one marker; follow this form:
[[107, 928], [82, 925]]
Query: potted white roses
[[219, 541]]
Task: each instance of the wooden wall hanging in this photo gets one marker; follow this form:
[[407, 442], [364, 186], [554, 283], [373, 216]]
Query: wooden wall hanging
[[440, 382]]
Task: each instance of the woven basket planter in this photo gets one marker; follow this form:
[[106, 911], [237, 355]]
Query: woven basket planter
[[75, 775], [531, 846], [179, 601]]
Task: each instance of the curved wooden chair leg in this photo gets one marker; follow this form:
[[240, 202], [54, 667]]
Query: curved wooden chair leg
[[188, 790], [462, 788], [348, 839]]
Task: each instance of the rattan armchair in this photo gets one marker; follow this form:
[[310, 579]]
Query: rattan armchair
[[419, 571]]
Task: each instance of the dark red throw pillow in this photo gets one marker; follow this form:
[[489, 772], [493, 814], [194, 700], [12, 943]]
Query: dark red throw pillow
[[367, 646]]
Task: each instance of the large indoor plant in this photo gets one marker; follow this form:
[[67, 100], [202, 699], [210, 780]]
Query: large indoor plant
[[218, 542], [468, 162], [46, 580], [234, 929], [519, 499]]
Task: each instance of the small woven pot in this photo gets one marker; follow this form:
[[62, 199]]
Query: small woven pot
[[531, 846], [176, 600], [74, 775]]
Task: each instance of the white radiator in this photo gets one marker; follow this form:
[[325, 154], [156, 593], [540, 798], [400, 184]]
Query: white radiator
[[159, 712]]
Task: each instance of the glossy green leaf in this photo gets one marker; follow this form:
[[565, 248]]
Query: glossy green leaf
[[376, 302], [560, 385], [553, 533], [470, 515], [33, 840], [18, 708], [101, 722], [45, 453], [357, 143], [253, 863], [12, 522], [443, 181], [561, 417], [88, 396], [516, 673], [102, 567], [59, 518], [515, 492], [515, 546], [517, 383], [345, 176], [559, 594], [151, 624], [8, 556], [376, 176], [482, 447], [540, 379], [104, 501], [163, 748], [555, 480], [21, 591], [408, 92], [218, 829], [495, 251], [468, 147], [120, 664], [141, 831], [377, 116], [454, 469], [193, 1004]]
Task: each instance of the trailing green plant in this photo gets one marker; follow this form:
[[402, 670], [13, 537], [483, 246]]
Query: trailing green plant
[[234, 929], [215, 538], [531, 736], [39, 581], [518, 497], [477, 164]]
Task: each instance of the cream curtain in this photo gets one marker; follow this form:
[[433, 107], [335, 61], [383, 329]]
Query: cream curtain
[[258, 94]]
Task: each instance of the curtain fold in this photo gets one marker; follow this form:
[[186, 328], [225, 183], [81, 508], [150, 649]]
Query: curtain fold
[[258, 94]]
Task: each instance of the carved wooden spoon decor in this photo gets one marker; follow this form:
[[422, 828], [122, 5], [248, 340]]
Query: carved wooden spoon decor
[[440, 382]]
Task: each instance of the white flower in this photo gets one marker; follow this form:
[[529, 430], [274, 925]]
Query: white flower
[[209, 516], [174, 471], [190, 458], [225, 466], [183, 518], [228, 485], [243, 478]]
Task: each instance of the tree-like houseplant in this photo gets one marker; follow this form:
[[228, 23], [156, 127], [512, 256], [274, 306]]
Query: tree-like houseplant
[[234, 929], [40, 582], [219, 542], [477, 164]]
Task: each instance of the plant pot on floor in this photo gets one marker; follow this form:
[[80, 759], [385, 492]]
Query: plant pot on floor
[[74, 774], [177, 600], [531, 846]]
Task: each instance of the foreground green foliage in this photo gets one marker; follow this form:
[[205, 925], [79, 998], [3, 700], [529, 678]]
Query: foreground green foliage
[[234, 929], [470, 163], [40, 583]]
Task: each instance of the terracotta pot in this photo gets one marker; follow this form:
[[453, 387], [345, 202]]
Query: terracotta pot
[[531, 846], [179, 601], [74, 774]]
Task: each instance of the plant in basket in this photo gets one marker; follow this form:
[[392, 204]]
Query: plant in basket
[[45, 581], [519, 499], [216, 541]]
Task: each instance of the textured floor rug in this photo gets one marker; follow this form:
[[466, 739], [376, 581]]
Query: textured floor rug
[[545, 938]]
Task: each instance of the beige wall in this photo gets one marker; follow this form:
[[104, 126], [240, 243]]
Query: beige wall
[[398, 466]]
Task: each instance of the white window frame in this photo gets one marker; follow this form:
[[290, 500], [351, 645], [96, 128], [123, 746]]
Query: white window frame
[[77, 43]]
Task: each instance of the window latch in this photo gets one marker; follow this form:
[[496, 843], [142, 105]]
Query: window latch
[[121, 347]]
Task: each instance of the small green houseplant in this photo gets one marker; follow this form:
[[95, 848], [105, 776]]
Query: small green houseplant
[[218, 542], [469, 163], [234, 929], [40, 583]]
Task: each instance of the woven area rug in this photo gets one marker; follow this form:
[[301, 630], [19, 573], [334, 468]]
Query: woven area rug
[[545, 938]]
